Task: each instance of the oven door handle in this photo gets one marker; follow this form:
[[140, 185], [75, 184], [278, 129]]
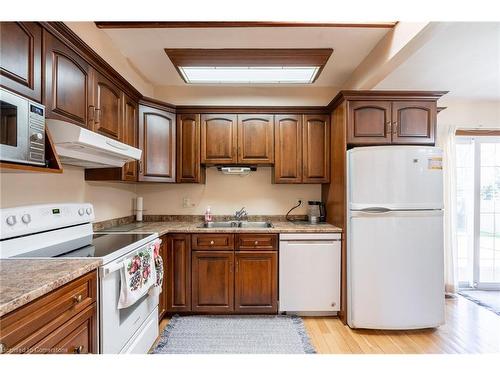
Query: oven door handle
[[113, 267]]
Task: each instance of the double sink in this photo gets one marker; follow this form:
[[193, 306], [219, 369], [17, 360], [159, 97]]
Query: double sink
[[237, 224]]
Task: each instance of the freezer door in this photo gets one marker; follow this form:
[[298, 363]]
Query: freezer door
[[395, 177], [395, 263]]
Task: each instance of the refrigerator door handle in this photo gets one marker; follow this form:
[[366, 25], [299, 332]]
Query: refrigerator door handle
[[376, 210]]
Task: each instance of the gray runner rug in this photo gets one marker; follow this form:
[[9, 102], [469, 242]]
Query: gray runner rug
[[234, 334], [486, 298]]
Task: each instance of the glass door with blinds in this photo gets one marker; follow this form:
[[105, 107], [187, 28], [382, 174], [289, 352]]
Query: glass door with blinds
[[478, 212]]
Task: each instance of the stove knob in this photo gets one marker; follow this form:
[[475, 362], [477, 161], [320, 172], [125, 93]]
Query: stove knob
[[26, 218], [81, 211], [89, 211], [11, 220]]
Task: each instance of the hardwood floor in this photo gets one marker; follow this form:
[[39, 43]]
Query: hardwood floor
[[469, 328]]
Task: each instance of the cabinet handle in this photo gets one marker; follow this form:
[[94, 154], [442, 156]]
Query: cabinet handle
[[140, 166], [78, 298], [389, 128], [3, 348], [237, 266], [212, 242], [256, 242], [97, 116], [395, 128], [78, 349]]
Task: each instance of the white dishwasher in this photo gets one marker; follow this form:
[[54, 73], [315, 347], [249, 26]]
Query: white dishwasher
[[309, 273]]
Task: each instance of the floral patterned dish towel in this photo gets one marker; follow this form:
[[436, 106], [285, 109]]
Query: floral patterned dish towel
[[139, 275]]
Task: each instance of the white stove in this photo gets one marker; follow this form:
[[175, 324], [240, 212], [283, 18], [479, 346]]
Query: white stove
[[65, 231]]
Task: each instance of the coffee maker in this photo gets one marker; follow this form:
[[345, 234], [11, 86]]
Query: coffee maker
[[316, 212]]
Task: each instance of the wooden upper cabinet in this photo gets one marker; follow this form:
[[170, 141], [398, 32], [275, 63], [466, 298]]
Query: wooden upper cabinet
[[369, 122], [178, 272], [213, 281], [256, 282], [129, 135], [316, 149], [218, 139], [413, 122], [107, 107], [68, 89], [288, 148], [157, 142], [20, 58], [188, 149], [255, 139]]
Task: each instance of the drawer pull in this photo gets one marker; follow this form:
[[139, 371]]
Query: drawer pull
[[78, 298], [3, 348], [256, 242], [78, 349], [212, 242]]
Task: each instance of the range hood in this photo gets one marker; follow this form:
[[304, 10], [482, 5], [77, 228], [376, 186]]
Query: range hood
[[84, 148], [243, 170]]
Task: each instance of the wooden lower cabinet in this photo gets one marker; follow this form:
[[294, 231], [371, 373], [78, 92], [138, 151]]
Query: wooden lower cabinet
[[213, 281], [162, 301], [178, 273], [62, 321], [256, 282]]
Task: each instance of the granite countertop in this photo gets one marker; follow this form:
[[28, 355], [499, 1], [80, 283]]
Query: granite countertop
[[164, 227], [24, 280]]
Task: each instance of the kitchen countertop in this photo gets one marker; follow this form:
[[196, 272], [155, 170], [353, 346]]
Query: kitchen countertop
[[24, 280], [164, 227]]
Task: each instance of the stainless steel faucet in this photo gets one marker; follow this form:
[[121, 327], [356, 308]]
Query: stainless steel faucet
[[241, 214]]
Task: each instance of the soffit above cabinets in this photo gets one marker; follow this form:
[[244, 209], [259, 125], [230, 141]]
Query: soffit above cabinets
[[250, 65]]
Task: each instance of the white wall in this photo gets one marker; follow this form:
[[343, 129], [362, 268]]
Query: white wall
[[226, 194], [110, 200], [467, 114]]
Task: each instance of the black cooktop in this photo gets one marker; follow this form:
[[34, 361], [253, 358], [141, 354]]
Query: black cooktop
[[95, 246]]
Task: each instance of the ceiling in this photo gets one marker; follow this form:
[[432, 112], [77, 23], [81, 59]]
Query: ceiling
[[144, 48], [463, 58]]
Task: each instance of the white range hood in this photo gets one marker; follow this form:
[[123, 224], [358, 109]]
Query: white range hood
[[84, 148]]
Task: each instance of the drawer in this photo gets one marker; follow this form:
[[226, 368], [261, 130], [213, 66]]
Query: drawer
[[216, 241], [260, 241], [77, 336], [21, 329]]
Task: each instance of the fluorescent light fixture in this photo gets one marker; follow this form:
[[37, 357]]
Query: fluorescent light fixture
[[249, 74]]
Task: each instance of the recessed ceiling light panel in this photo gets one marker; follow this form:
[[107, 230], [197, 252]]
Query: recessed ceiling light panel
[[249, 66], [249, 74]]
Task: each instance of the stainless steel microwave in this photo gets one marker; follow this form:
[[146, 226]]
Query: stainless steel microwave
[[22, 129]]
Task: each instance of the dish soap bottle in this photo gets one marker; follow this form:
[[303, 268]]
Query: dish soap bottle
[[208, 215]]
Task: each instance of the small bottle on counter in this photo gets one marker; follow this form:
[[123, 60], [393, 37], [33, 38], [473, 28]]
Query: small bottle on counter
[[208, 215]]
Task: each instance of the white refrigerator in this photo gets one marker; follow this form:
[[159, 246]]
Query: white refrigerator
[[395, 237]]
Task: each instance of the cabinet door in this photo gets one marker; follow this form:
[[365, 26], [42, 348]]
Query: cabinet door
[[218, 139], [157, 142], [20, 58], [68, 89], [213, 281], [108, 107], [369, 122], [255, 139], [188, 149], [162, 303], [413, 122], [316, 149], [288, 148], [129, 120], [178, 275], [256, 282]]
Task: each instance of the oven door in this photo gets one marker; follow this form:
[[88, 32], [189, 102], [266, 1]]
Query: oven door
[[14, 127], [119, 326]]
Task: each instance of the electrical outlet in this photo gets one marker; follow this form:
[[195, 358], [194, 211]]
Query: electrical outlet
[[186, 202]]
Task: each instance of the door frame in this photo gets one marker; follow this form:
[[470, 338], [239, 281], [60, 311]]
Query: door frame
[[476, 273]]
